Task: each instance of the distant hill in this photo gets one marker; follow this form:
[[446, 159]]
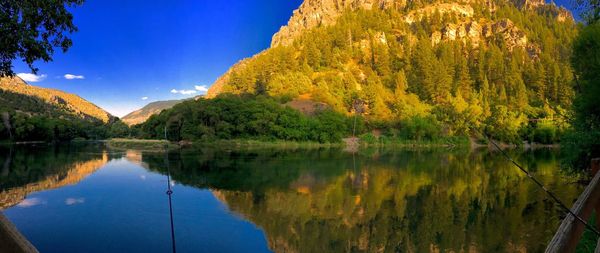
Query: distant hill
[[18, 96], [141, 115]]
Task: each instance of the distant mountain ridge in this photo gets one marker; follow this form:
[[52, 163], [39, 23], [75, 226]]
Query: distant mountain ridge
[[141, 115], [17, 95]]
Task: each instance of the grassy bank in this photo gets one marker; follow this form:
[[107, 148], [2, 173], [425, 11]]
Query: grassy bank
[[370, 140], [138, 144], [365, 141], [159, 145], [242, 143]]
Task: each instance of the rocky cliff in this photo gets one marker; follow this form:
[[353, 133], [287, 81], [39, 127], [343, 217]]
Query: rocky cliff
[[313, 13]]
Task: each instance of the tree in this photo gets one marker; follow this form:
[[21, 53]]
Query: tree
[[583, 144], [586, 62], [119, 130], [31, 29]]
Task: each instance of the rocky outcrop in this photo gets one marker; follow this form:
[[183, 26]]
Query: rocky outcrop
[[529, 4], [313, 13], [459, 10], [564, 15], [476, 32]]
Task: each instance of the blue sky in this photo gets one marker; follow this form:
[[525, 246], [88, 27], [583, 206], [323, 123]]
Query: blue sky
[[129, 53], [129, 50]]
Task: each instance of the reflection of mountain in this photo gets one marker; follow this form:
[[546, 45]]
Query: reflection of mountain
[[43, 176], [135, 157], [404, 201]]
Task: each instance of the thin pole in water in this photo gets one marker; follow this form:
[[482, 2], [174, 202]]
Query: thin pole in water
[[169, 193]]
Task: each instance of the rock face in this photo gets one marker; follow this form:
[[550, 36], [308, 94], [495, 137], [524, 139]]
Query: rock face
[[313, 13], [464, 11], [56, 100], [529, 4]]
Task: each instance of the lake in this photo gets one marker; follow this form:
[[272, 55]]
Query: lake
[[87, 198]]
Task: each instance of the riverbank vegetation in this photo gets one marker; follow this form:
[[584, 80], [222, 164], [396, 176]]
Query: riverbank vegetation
[[239, 117], [583, 143]]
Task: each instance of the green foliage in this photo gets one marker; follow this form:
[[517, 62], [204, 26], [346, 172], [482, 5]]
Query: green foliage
[[237, 117], [420, 128], [393, 66], [32, 29], [546, 132], [119, 129], [505, 124], [583, 143], [28, 118]]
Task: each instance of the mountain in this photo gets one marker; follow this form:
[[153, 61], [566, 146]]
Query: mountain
[[141, 115], [492, 65], [314, 13], [17, 95]]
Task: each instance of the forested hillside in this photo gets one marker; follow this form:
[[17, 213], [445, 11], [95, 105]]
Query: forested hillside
[[464, 67], [31, 113]]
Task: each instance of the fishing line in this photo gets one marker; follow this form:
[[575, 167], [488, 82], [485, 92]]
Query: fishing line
[[169, 193], [538, 183]]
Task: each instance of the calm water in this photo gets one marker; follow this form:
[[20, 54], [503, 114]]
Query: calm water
[[90, 199]]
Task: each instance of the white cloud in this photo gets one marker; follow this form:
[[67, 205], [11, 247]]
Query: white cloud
[[183, 92], [201, 88], [73, 77], [30, 202], [32, 78], [144, 98], [74, 201]]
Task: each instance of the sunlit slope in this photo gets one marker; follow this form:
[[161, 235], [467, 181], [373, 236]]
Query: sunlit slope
[[468, 63], [141, 115], [16, 95]]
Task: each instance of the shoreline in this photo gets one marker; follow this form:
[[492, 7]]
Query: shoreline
[[351, 144]]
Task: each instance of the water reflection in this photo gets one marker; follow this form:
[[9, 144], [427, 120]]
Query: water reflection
[[304, 201], [32, 169], [407, 201]]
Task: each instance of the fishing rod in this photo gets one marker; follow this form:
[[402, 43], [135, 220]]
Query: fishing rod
[[539, 183], [169, 193]]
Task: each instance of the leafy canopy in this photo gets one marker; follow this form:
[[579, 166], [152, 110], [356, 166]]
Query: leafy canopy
[[31, 29]]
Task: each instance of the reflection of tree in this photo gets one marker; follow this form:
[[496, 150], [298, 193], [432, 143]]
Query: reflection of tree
[[401, 201], [35, 169]]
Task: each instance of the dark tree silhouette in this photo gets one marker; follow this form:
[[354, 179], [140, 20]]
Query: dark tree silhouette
[[32, 29]]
